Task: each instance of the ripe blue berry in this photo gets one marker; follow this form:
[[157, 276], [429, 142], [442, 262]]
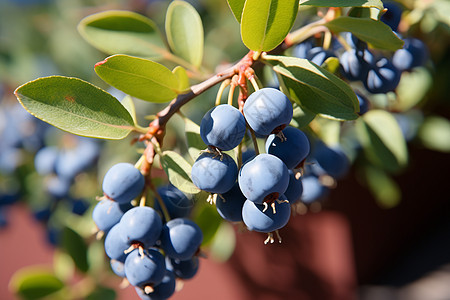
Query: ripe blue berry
[[123, 182], [294, 190], [268, 111], [114, 245], [229, 205], [313, 189], [107, 213], [318, 55], [264, 177], [162, 290], [141, 224], [262, 218], [382, 77], [118, 267], [292, 146], [184, 269], [181, 238], [177, 203], [413, 54], [301, 50], [332, 160], [364, 103], [223, 127], [355, 64], [45, 160], [392, 16], [145, 270], [214, 173]]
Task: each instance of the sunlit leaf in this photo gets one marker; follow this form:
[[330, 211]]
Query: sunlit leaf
[[178, 171], [385, 190], [183, 78], [76, 106], [344, 3], [76, 247], [34, 283], [237, 6], [435, 133]]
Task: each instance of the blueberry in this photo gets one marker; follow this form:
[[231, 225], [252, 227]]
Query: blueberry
[[145, 270], [265, 176], [355, 64], [318, 55], [114, 245], [292, 146], [364, 103], [123, 182], [313, 189], [302, 49], [382, 77], [107, 213], [295, 188], [141, 224], [229, 205], [354, 42], [392, 16], [413, 54], [214, 173], [267, 110], [58, 187], [79, 206], [181, 238], [260, 218], [184, 269], [162, 290], [45, 160], [223, 127], [178, 204], [332, 160], [118, 267]]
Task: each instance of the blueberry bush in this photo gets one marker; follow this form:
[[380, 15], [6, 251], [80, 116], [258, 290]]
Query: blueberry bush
[[251, 127]]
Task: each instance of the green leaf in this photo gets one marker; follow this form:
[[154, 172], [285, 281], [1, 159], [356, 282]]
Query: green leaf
[[237, 6], [194, 140], [301, 116], [331, 64], [184, 30], [101, 292], [76, 247], [178, 171], [223, 243], [183, 78], [315, 89], [76, 106], [208, 220], [34, 283], [124, 32], [138, 77], [265, 23], [365, 12], [344, 3], [128, 103], [382, 140], [412, 88], [385, 190], [435, 133], [374, 32]]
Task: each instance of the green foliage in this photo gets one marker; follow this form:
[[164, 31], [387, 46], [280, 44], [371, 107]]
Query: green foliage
[[390, 194], [138, 77], [382, 140], [265, 23], [75, 106], [343, 3], [178, 171], [374, 32], [184, 30], [123, 32], [435, 133], [237, 6], [35, 283], [76, 247], [315, 88]]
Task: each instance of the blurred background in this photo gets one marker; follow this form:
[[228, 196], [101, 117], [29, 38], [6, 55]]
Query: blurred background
[[371, 237]]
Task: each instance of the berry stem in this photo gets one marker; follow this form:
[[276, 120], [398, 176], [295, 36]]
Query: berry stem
[[255, 142], [222, 87]]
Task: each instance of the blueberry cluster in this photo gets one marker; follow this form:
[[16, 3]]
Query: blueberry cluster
[[147, 250], [259, 193]]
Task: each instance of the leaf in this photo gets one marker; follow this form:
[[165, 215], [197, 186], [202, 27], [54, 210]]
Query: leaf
[[178, 171], [435, 133], [237, 6], [194, 140], [382, 140], [316, 89], [76, 106], [128, 103], [76, 247], [265, 23], [183, 78], [374, 32], [208, 220], [301, 116], [184, 30], [412, 88], [385, 190], [224, 242], [35, 282], [138, 77], [126, 32], [102, 292], [344, 3], [365, 12]]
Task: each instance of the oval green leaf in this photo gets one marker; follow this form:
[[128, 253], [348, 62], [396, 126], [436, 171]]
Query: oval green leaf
[[435, 133], [374, 32], [265, 23], [385, 190], [382, 140], [184, 30], [126, 32], [344, 3], [236, 6], [75, 246], [315, 89], [35, 282], [178, 171], [183, 78], [194, 140], [138, 77], [76, 106]]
